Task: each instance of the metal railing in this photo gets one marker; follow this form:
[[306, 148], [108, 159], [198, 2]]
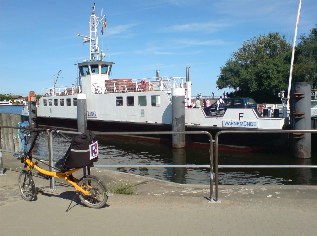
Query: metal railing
[[213, 153], [217, 166], [51, 151]]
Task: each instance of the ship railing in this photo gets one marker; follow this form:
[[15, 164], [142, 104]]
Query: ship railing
[[145, 84], [61, 91]]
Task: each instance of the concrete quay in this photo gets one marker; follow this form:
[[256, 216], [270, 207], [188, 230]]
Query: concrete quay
[[157, 208]]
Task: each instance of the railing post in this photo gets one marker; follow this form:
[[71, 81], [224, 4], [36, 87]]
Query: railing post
[[1, 162], [216, 165], [50, 158], [211, 154]]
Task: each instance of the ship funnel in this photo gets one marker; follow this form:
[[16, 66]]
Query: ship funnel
[[158, 75], [187, 73]]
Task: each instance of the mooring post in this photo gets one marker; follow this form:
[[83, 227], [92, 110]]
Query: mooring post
[[82, 119], [301, 119], [178, 117], [81, 113]]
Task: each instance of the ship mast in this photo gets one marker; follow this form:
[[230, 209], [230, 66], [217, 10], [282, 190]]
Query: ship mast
[[293, 55], [94, 52]]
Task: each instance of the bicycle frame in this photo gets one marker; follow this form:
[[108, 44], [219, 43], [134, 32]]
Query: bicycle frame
[[62, 175]]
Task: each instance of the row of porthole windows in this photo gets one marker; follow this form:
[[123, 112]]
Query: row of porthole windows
[[60, 102], [142, 101]]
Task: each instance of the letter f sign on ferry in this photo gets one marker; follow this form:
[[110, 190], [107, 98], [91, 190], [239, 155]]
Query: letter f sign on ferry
[[241, 115]]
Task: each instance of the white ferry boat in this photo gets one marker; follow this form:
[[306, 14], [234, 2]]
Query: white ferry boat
[[139, 104], [6, 103]]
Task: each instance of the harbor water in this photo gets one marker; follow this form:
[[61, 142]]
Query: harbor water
[[114, 151]]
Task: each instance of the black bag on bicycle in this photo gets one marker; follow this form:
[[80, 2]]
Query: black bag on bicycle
[[83, 151]]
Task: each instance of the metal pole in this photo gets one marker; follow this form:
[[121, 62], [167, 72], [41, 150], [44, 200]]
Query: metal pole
[[211, 154], [1, 164], [1, 161], [50, 158], [293, 55]]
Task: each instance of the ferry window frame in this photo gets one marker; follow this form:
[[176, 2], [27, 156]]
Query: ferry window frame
[[142, 101], [75, 102], [119, 101], [45, 102], [130, 101], [104, 69], [155, 100], [94, 69], [61, 102], [84, 70], [55, 102], [68, 102], [50, 102]]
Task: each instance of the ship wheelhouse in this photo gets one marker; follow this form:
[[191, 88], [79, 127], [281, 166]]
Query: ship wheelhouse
[[95, 67]]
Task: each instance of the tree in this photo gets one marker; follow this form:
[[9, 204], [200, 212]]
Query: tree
[[305, 67], [259, 69]]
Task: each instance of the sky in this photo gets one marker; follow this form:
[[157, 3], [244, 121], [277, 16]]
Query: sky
[[39, 38]]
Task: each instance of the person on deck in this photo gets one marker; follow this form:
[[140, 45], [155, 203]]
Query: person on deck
[[220, 103]]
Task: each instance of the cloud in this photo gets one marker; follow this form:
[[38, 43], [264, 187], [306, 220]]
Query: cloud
[[251, 9], [206, 27], [121, 29], [193, 42]]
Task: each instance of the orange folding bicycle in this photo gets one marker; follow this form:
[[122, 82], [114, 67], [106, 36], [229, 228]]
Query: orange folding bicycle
[[92, 191]]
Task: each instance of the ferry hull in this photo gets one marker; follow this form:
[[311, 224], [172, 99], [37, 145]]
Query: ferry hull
[[256, 141]]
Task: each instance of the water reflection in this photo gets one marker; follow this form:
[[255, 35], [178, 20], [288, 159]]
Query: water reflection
[[126, 152]]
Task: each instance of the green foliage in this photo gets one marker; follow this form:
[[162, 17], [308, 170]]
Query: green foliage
[[259, 69], [305, 69], [5, 97], [122, 188]]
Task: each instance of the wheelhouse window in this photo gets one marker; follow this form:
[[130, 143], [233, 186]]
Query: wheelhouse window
[[84, 70], [69, 102], [61, 102], [142, 101], [155, 100], [75, 102], [50, 102], [130, 100], [45, 102], [119, 101], [94, 69], [55, 102], [104, 69]]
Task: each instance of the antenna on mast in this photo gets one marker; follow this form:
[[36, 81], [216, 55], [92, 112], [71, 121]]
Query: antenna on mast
[[94, 21]]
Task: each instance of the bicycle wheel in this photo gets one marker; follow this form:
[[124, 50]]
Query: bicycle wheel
[[98, 192], [27, 186]]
